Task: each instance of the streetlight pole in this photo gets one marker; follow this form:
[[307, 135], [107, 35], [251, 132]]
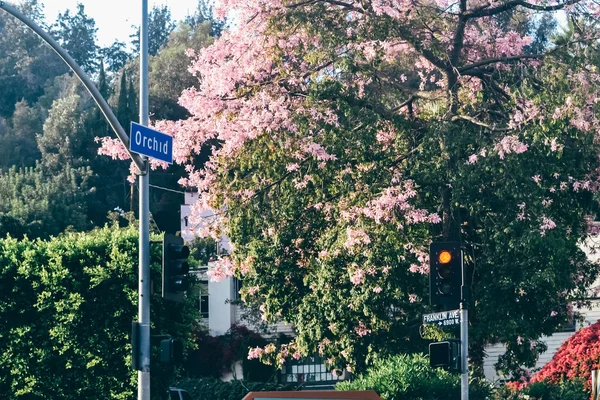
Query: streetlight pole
[[144, 217], [140, 162]]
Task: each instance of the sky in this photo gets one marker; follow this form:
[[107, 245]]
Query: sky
[[114, 17]]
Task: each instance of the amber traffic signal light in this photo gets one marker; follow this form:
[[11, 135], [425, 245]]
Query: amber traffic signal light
[[445, 274]]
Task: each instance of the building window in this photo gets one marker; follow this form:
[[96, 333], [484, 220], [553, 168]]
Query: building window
[[204, 305], [237, 286], [308, 370]]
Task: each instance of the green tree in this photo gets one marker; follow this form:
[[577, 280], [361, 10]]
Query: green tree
[[116, 56], [202, 14], [76, 33], [26, 62], [38, 203], [18, 145], [160, 26], [350, 135], [64, 139], [67, 306], [123, 113], [168, 74]]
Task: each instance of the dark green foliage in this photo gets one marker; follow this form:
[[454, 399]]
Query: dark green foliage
[[203, 250], [66, 307], [214, 389], [122, 112], [38, 204], [76, 33], [566, 390], [216, 355], [160, 26], [116, 56], [18, 145], [20, 79], [409, 377], [202, 14]]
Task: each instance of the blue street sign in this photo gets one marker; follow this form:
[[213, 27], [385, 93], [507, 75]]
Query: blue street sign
[[151, 143]]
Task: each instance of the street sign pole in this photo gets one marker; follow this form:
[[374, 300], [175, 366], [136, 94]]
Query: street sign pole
[[144, 217], [464, 334]]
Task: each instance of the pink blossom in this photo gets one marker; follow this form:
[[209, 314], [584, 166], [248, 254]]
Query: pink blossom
[[255, 353], [223, 268], [553, 314], [356, 237], [519, 340], [510, 144], [292, 167], [386, 136], [361, 329], [536, 178], [413, 298], [377, 289], [547, 224], [358, 276], [472, 159]]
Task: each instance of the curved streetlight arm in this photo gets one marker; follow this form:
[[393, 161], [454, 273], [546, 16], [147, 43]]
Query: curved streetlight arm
[[89, 85]]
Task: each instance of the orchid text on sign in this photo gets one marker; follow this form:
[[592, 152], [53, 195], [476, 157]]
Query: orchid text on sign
[[151, 143]]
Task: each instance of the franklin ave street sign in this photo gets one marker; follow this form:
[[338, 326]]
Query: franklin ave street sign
[[444, 318], [151, 143]]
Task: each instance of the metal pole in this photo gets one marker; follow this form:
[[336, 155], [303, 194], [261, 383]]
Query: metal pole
[[144, 217], [465, 295], [464, 353], [85, 80]]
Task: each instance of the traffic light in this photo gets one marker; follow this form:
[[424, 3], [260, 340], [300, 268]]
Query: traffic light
[[171, 351], [445, 274], [174, 267], [445, 354]]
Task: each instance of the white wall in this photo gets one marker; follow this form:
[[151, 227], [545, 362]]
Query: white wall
[[220, 312]]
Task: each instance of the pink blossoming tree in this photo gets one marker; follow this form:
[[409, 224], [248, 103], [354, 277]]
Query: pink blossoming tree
[[346, 135]]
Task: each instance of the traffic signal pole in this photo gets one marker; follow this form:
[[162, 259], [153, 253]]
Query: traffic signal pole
[[449, 290], [464, 337], [144, 217]]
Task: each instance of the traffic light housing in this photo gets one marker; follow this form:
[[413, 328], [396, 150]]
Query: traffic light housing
[[445, 274], [171, 351], [174, 268], [445, 354]]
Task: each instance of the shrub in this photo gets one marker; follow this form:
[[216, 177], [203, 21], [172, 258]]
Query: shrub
[[216, 355], [409, 377], [576, 358], [214, 389], [545, 390]]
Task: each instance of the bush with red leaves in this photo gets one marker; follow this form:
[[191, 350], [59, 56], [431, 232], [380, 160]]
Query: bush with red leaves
[[577, 357]]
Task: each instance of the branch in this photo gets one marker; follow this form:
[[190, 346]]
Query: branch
[[484, 11], [459, 34], [405, 34], [478, 123], [404, 104], [501, 59], [332, 2]]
